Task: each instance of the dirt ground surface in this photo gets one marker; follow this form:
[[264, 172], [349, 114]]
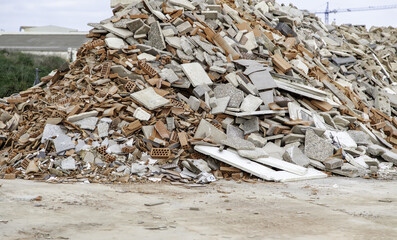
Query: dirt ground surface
[[332, 208]]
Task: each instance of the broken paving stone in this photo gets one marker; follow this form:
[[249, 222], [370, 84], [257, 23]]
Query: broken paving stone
[[316, 147], [149, 98], [253, 154]]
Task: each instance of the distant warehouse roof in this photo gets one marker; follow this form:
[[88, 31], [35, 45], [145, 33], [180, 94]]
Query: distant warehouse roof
[[57, 42]]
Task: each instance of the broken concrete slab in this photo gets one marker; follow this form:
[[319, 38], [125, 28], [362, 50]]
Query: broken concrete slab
[[250, 103], [206, 129], [141, 114], [228, 90], [238, 143], [316, 147], [150, 99], [253, 154], [196, 74], [294, 155]]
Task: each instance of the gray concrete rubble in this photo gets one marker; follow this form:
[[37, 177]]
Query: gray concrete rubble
[[193, 91]]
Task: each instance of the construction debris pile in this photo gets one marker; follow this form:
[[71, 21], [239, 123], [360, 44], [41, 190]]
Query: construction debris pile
[[197, 90]]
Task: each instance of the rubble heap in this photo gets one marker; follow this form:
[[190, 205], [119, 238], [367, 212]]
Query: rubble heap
[[197, 90]]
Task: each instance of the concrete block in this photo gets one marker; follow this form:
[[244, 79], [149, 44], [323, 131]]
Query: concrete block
[[218, 69], [135, 24], [184, 27], [333, 163], [228, 121], [183, 3]]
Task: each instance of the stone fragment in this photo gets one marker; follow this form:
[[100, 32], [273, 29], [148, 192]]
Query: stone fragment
[[293, 154], [206, 129], [251, 126], [238, 143], [221, 105], [333, 163], [32, 168], [274, 151], [316, 147], [200, 90], [123, 33], [68, 164], [82, 116], [250, 103], [344, 139], [149, 98], [115, 43], [253, 154], [194, 103], [257, 140], [234, 132], [87, 123], [141, 115]]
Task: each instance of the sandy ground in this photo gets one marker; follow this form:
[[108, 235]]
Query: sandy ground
[[333, 208]]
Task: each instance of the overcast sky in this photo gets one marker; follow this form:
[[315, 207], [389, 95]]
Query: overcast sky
[[77, 13]]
